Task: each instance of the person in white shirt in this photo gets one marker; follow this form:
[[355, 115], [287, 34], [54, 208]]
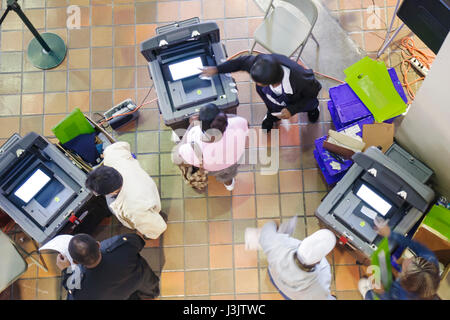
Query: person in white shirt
[[131, 193], [299, 269]]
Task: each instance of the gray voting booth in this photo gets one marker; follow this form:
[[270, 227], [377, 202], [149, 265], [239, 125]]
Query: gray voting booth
[[174, 57], [391, 186], [40, 188]]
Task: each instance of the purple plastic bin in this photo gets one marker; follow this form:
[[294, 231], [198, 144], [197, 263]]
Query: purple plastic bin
[[349, 107], [327, 158], [337, 124], [397, 85], [330, 180], [360, 123]]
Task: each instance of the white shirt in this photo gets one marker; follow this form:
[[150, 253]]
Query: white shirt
[[289, 278], [284, 86], [277, 90], [137, 205]]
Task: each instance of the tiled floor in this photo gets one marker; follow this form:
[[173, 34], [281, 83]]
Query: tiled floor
[[201, 255]]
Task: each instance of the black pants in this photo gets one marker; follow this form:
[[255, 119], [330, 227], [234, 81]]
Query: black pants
[[309, 105]]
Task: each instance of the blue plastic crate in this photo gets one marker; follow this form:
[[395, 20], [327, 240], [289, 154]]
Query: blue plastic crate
[[349, 107], [330, 180], [327, 158], [367, 120], [332, 109], [346, 108], [397, 84]]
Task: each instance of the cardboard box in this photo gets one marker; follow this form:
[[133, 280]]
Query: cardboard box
[[380, 135]]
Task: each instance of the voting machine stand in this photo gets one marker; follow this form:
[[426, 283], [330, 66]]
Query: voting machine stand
[[391, 186], [42, 187], [174, 57]]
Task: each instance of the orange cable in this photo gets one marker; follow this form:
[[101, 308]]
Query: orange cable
[[409, 51]]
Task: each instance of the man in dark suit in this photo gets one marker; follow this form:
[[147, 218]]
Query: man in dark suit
[[110, 270], [286, 87]]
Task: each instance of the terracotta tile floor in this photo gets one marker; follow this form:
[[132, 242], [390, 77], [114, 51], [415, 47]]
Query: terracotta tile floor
[[201, 255]]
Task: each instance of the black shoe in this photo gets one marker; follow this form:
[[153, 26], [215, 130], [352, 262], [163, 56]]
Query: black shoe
[[156, 292], [313, 115], [267, 124], [164, 216]]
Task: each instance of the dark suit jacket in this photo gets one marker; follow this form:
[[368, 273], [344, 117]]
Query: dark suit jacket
[[304, 84]]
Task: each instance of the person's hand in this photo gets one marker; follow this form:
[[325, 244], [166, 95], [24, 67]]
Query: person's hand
[[285, 114], [379, 290], [208, 71], [383, 231], [62, 262]]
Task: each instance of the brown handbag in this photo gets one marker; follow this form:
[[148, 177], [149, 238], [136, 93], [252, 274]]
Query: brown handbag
[[196, 177]]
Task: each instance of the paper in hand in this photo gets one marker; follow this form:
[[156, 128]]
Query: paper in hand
[[252, 239], [288, 227], [60, 244]]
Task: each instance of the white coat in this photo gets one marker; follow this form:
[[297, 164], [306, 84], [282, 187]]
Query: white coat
[[137, 205], [292, 281]]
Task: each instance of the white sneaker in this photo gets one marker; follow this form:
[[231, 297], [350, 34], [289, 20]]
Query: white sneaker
[[231, 186], [364, 285]]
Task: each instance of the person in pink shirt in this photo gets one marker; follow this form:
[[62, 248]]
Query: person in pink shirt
[[216, 143]]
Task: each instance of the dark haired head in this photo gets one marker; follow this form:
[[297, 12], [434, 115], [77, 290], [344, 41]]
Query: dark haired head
[[421, 278], [84, 249], [104, 180], [266, 71], [212, 118]]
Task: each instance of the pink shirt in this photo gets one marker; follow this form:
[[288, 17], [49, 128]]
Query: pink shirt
[[221, 154]]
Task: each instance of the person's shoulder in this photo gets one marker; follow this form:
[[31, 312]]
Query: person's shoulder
[[111, 244], [237, 121]]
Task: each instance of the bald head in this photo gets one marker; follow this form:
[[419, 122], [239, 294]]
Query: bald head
[[84, 249]]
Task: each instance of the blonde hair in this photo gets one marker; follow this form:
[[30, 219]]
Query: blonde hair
[[421, 278]]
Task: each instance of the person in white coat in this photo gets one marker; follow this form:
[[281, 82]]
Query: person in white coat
[[131, 193], [298, 269]]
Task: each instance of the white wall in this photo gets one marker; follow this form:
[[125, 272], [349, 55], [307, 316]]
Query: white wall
[[425, 130]]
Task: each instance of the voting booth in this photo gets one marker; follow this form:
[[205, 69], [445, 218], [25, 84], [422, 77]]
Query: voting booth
[[39, 186], [391, 186], [42, 186], [174, 57]]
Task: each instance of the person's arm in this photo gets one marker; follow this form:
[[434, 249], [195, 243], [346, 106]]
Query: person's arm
[[419, 249], [149, 223], [299, 100], [305, 87], [120, 149], [187, 154], [298, 103], [242, 63], [135, 240], [270, 239], [268, 233]]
